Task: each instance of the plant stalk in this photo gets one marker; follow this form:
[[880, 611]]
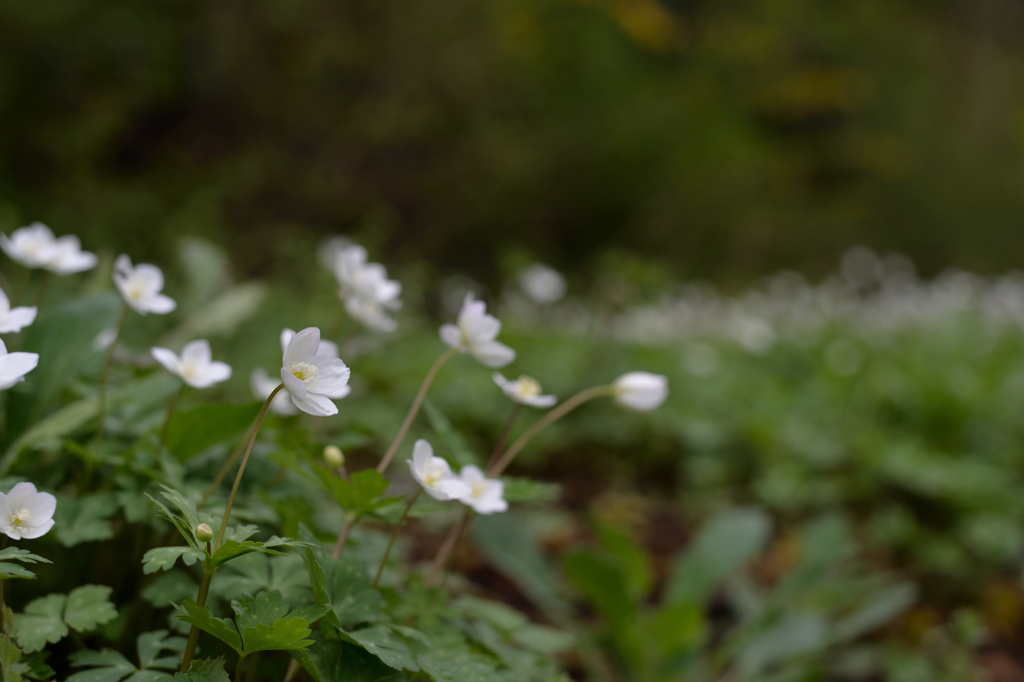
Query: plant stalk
[[448, 547], [228, 463], [394, 536], [346, 528], [104, 377], [505, 433], [170, 413], [193, 634]]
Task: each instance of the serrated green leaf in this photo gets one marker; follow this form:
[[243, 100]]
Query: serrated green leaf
[[151, 644], [357, 495], [8, 570], [232, 550], [15, 554], [163, 558], [383, 643], [353, 598], [185, 506], [89, 606], [192, 613], [316, 579], [186, 531], [85, 519], [283, 635], [34, 666], [41, 623], [310, 613], [9, 655], [205, 670], [306, 661], [341, 661], [265, 608], [110, 666]]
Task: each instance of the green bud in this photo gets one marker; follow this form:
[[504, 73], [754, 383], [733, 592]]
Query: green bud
[[334, 456], [204, 532]]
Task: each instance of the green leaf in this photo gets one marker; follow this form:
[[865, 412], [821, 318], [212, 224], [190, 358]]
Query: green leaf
[[15, 554], [192, 613], [232, 550], [316, 579], [85, 519], [193, 431], [14, 571], [304, 659], [450, 438], [172, 586], [877, 610], [187, 508], [283, 635], [353, 598], [525, 490], [385, 645], [41, 623], [151, 644], [34, 666], [88, 606], [9, 655], [108, 666], [340, 661], [259, 572], [205, 670], [604, 585], [359, 495], [163, 558], [266, 607]]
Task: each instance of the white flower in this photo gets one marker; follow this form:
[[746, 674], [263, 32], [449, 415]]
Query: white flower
[[325, 348], [486, 495], [33, 246], [26, 513], [434, 474], [195, 366], [524, 390], [141, 286], [542, 284], [368, 293], [262, 386], [14, 319], [14, 366], [475, 333], [641, 391], [312, 378], [68, 257]]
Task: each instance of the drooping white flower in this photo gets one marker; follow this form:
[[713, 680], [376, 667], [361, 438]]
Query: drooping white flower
[[641, 391], [325, 348], [26, 513], [487, 495], [311, 378], [14, 366], [434, 474], [263, 385], [524, 390], [69, 258], [33, 246], [371, 313], [368, 293], [196, 366], [141, 285], [14, 319], [475, 332], [542, 284]]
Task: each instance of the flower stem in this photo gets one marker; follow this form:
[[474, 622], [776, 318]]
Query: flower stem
[[448, 547], [552, 416], [241, 469], [505, 432], [394, 536], [41, 289], [346, 528], [104, 377], [193, 634], [228, 463], [238, 670], [170, 413], [445, 357], [3, 605]]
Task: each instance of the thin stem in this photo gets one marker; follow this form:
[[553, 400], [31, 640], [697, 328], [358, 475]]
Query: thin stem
[[230, 462], [346, 528], [104, 377], [193, 634], [241, 469], [253, 666], [552, 416], [41, 288], [170, 413], [448, 547], [394, 536], [293, 670], [505, 432], [445, 357], [3, 605], [238, 670]]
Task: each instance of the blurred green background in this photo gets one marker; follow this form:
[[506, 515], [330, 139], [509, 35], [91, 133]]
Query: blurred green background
[[724, 140]]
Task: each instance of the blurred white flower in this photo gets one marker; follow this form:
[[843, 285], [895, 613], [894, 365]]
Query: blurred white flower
[[14, 366], [487, 495], [524, 390], [325, 348], [475, 334], [328, 249], [641, 391], [196, 366], [368, 293], [33, 246], [434, 474], [68, 257], [141, 285], [26, 513], [14, 319], [542, 284], [263, 385], [312, 378], [105, 338]]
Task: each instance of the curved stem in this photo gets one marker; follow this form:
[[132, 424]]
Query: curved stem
[[102, 411], [170, 413], [230, 462], [241, 469], [346, 528], [448, 547], [394, 535], [293, 670], [549, 418], [505, 432], [445, 357], [193, 634]]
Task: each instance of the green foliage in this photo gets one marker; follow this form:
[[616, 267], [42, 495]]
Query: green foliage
[[48, 618], [192, 431], [208, 670], [9, 570], [110, 666]]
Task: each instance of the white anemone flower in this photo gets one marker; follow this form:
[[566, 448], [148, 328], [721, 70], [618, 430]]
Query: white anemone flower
[[68, 257], [26, 513], [14, 319], [524, 390], [263, 385], [371, 313], [641, 391], [141, 285], [325, 348], [475, 332], [542, 284], [196, 366], [311, 378], [14, 366], [434, 474], [368, 293], [33, 246], [487, 495]]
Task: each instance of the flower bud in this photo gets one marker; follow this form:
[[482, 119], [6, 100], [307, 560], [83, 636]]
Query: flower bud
[[334, 456], [204, 533], [641, 391]]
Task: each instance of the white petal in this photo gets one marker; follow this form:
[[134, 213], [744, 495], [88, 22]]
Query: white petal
[[3, 348], [161, 304], [14, 366], [197, 351], [5, 303], [493, 353], [450, 335], [302, 347], [315, 404], [471, 473], [293, 384], [35, 531], [17, 319], [218, 372], [422, 453], [504, 384], [333, 374], [167, 358], [481, 328], [41, 506], [327, 348], [286, 338], [123, 268], [541, 401], [21, 494], [339, 394], [151, 276], [453, 489]]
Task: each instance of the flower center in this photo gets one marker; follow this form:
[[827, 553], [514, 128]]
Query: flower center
[[188, 370], [22, 517], [137, 290], [305, 372], [479, 488], [527, 387]]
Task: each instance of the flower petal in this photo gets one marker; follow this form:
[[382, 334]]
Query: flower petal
[[492, 353], [35, 531], [422, 453], [293, 384], [41, 506], [17, 319], [316, 405], [333, 374], [197, 351], [302, 347], [286, 338], [167, 358], [21, 494], [450, 335], [161, 304], [14, 366]]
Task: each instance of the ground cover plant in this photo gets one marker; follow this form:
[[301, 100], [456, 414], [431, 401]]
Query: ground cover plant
[[192, 490]]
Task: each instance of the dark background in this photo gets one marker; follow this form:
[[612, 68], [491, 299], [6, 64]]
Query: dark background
[[705, 139]]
